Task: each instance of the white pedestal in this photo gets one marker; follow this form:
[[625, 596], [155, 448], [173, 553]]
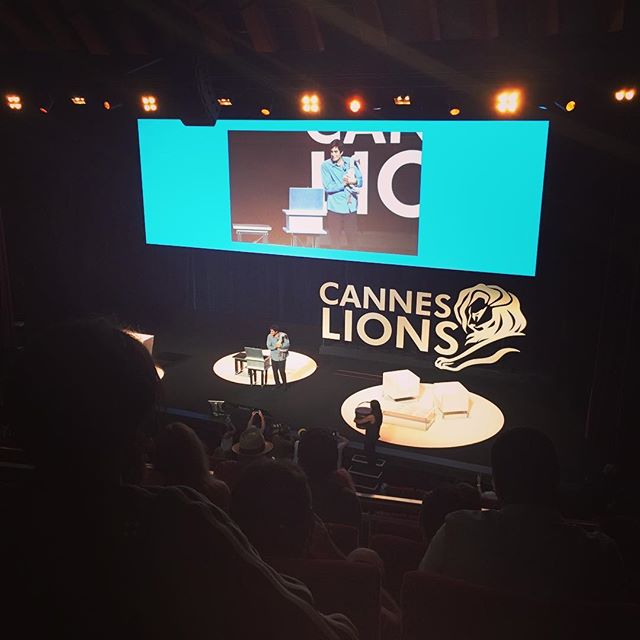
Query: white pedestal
[[417, 413]]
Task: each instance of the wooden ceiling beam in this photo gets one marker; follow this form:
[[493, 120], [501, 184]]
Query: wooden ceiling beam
[[124, 29], [306, 28], [425, 20], [61, 33], [23, 32], [612, 14], [543, 17], [369, 20], [216, 37], [259, 29], [485, 19], [85, 28]]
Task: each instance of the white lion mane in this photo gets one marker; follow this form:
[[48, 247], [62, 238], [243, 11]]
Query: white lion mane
[[504, 319]]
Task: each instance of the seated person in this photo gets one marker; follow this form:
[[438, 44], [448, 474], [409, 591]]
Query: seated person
[[332, 490], [441, 501], [271, 503], [251, 449], [179, 458], [94, 557], [526, 546]]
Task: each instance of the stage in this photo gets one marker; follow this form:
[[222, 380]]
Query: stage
[[189, 348]]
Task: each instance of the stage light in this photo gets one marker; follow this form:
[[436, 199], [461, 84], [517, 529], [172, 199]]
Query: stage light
[[508, 101], [355, 105], [14, 102], [310, 103], [454, 112], [78, 100], [565, 105], [225, 102], [265, 111], [149, 103], [625, 93], [402, 100]]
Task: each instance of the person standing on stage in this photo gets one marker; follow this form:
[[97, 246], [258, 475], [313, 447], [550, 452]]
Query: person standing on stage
[[342, 181], [371, 424], [278, 344]]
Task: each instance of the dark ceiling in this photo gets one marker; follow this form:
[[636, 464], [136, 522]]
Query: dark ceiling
[[160, 27], [272, 48]]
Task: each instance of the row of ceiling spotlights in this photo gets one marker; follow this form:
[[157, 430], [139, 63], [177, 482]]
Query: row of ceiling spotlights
[[14, 102], [506, 102]]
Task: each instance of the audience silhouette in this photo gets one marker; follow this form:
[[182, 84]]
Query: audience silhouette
[[526, 546], [179, 458], [87, 556], [332, 490], [441, 501]]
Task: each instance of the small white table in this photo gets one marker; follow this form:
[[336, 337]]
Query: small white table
[[259, 230]]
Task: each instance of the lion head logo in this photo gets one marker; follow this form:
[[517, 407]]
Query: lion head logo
[[486, 314]]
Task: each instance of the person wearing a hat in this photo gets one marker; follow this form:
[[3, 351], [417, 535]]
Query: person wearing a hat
[[251, 448], [251, 444]]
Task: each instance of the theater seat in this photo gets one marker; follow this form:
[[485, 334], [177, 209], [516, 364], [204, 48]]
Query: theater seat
[[440, 608], [345, 537], [339, 586], [399, 555]]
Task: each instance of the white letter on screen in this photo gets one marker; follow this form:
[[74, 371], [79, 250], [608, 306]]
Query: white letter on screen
[[363, 198], [385, 183], [378, 136], [323, 138], [395, 136]]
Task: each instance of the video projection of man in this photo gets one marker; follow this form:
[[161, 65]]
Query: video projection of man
[[363, 188]]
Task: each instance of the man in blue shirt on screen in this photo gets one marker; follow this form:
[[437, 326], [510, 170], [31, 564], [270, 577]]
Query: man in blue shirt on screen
[[342, 181]]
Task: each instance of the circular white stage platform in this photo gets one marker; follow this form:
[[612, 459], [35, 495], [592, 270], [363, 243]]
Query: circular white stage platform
[[299, 367], [485, 420]]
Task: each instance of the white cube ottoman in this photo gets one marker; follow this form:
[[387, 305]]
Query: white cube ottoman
[[400, 384], [452, 399]]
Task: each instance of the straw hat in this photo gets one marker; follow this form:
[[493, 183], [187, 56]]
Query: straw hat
[[251, 444]]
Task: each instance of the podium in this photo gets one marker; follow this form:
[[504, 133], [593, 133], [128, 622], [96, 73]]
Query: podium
[[306, 213], [257, 362]]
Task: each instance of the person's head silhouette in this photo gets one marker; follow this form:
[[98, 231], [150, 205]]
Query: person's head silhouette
[[525, 467], [81, 396]]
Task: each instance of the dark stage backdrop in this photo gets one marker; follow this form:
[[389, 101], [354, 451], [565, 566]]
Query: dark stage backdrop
[[74, 226]]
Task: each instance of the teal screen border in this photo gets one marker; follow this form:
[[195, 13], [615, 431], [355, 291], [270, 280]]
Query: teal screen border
[[480, 190]]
